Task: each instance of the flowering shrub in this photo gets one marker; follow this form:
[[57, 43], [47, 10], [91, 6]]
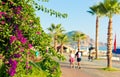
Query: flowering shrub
[[20, 32], [13, 64]]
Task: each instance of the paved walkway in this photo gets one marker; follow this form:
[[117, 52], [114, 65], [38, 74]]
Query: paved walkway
[[89, 69]]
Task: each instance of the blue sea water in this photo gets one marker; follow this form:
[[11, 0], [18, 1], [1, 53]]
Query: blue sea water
[[103, 48]]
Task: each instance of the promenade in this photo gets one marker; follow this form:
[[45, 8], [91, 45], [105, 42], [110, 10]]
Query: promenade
[[89, 69]]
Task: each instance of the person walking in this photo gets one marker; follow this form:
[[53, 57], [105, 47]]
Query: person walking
[[78, 55], [91, 54], [72, 59]]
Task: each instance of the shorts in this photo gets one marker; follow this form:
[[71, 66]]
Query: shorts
[[71, 60], [78, 59]]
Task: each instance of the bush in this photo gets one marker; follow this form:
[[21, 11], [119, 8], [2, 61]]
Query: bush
[[51, 67]]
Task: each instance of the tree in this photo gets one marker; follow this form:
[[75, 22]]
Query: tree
[[62, 39], [78, 36], [55, 31], [96, 10], [111, 7], [20, 31], [49, 11], [17, 18]]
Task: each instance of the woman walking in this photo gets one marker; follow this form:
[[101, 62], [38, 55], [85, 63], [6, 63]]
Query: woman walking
[[78, 55]]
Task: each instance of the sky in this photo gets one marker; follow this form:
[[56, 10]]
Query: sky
[[78, 18]]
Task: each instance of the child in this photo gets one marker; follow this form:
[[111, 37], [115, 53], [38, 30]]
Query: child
[[72, 59]]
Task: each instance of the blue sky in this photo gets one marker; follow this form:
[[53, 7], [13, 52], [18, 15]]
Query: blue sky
[[78, 18]]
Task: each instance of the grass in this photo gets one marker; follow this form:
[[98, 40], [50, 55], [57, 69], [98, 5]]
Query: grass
[[100, 59], [110, 69]]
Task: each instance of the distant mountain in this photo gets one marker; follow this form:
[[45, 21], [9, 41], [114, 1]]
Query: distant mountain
[[88, 42], [71, 33]]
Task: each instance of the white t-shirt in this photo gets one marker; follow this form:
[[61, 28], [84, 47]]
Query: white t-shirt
[[72, 55], [79, 54]]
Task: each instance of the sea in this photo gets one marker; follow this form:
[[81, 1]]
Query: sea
[[114, 55], [103, 48]]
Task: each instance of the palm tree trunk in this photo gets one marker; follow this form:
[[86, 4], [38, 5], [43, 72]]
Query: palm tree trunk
[[61, 49], [78, 45], [109, 44], [55, 43], [96, 37]]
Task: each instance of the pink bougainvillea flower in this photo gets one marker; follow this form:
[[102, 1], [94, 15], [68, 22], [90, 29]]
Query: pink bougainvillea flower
[[27, 66], [28, 52], [2, 22], [30, 46], [19, 33], [30, 67], [23, 40], [21, 49], [1, 14], [27, 62], [17, 55], [3, 3], [17, 9], [12, 72], [12, 39], [38, 33], [12, 69], [14, 62], [16, 27], [20, 36]]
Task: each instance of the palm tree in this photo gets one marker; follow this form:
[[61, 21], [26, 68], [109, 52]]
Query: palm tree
[[96, 10], [55, 31], [63, 39], [111, 7], [78, 36]]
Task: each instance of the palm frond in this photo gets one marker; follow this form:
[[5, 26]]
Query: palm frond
[[91, 12]]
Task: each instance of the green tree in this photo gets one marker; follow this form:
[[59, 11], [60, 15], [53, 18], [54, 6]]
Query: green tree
[[96, 10], [51, 12], [62, 39], [55, 31], [20, 31], [78, 36], [111, 8]]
